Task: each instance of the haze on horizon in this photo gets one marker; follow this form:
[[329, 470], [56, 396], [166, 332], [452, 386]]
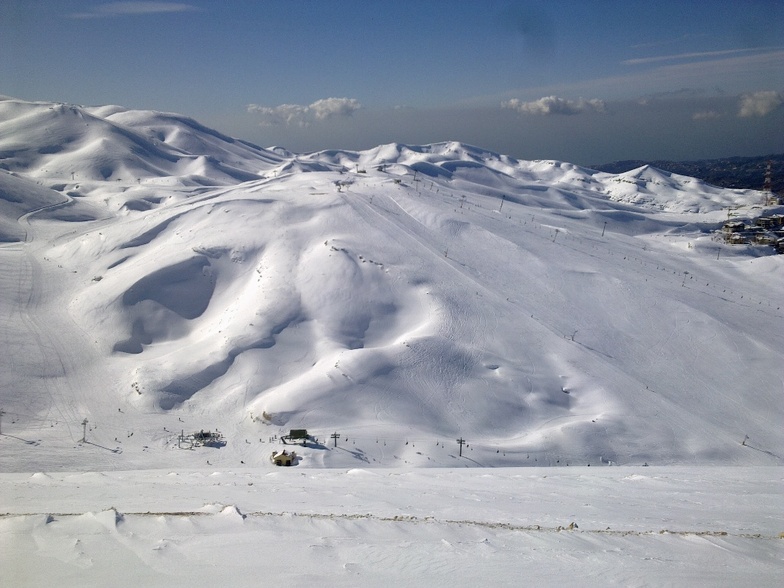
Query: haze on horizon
[[581, 82]]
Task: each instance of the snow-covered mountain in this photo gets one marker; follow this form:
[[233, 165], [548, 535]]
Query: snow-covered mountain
[[159, 277], [109, 143]]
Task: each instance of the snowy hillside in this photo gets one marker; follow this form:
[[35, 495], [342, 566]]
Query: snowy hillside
[[412, 307], [48, 141], [160, 277]]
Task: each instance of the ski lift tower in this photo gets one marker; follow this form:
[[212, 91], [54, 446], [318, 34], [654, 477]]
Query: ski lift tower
[[767, 187]]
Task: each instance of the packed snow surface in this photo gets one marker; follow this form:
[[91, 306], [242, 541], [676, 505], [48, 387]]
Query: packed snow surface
[[161, 279], [656, 526]]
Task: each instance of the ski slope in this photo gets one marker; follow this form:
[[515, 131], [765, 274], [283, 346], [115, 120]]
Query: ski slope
[[406, 292], [160, 278]]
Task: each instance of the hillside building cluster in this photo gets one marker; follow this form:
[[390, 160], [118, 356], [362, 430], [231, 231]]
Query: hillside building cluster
[[763, 230]]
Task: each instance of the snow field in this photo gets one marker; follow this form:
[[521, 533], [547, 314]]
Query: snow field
[[631, 526]]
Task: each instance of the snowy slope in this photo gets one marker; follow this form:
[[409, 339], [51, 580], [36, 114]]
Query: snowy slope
[[547, 313], [650, 187], [160, 279], [46, 141]]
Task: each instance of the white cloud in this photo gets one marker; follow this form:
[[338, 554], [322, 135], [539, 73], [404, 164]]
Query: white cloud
[[329, 107], [555, 105], [760, 103], [303, 116], [112, 9], [680, 56], [284, 114], [705, 115]]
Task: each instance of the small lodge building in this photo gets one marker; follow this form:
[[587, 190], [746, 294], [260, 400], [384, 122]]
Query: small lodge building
[[766, 222], [297, 435], [284, 458], [764, 239], [733, 227]]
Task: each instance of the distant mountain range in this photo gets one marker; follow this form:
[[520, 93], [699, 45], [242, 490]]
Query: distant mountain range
[[727, 172]]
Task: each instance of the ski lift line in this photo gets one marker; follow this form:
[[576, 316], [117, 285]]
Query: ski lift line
[[649, 263], [48, 423], [27, 416], [412, 236], [599, 242], [564, 243], [60, 411], [445, 442], [440, 257], [587, 237]]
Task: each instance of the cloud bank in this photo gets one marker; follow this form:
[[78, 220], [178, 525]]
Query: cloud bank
[[682, 125], [303, 116], [554, 105], [114, 9], [760, 103]]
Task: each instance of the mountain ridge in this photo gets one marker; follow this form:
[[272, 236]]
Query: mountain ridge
[[726, 172]]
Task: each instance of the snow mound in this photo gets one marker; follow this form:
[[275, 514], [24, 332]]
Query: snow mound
[[19, 197]]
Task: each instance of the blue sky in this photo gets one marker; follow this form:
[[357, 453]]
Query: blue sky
[[580, 81]]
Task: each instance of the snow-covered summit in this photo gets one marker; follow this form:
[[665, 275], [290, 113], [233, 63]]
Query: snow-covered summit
[[651, 187], [57, 141]]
